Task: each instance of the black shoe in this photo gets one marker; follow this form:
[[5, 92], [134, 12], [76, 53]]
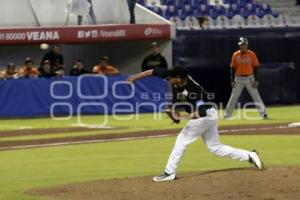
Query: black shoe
[[265, 116]]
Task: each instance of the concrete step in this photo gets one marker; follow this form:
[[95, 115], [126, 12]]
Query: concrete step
[[294, 11], [276, 1], [288, 3], [285, 6]]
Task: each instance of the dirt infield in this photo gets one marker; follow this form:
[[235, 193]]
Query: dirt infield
[[278, 129], [274, 183]]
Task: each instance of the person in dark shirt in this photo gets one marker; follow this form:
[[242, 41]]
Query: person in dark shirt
[[46, 71], [203, 122], [78, 69], [155, 59], [55, 57]]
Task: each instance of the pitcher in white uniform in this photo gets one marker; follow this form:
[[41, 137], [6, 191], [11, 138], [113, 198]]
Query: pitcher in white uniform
[[203, 121]]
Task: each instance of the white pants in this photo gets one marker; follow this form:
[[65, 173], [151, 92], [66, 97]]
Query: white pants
[[206, 127], [241, 83]]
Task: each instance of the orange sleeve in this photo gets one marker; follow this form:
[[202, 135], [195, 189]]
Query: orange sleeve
[[96, 70], [255, 61], [112, 70], [20, 70], [35, 71], [233, 61], [115, 70], [2, 74]]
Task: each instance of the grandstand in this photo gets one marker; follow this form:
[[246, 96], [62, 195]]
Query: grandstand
[[226, 14], [288, 7], [206, 53]]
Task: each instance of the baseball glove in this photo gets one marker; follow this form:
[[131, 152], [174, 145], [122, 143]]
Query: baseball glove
[[173, 115]]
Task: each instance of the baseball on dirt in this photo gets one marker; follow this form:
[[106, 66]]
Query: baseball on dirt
[[44, 46]]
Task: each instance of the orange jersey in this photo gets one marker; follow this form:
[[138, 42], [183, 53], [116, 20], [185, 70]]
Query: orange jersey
[[5, 74], [31, 72], [244, 63], [105, 70]]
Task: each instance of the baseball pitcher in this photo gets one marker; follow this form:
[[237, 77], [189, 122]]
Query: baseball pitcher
[[244, 70], [203, 121]]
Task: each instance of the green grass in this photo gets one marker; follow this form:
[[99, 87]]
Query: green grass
[[64, 135], [147, 121], [21, 170], [138, 123]]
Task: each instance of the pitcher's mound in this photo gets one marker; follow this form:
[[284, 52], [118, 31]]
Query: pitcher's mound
[[276, 183]]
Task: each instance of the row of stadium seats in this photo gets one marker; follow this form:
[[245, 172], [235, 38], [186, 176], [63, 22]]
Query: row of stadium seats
[[223, 22], [213, 10], [194, 3], [234, 13]]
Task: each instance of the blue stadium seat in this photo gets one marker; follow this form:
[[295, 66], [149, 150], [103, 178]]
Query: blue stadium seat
[[170, 2], [203, 10], [240, 3], [187, 10], [142, 2], [251, 7], [163, 2], [216, 11], [261, 12], [266, 8], [181, 4], [156, 9], [232, 10], [171, 11], [196, 3], [246, 13]]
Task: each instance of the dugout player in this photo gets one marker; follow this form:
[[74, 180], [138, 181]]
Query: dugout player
[[203, 122], [104, 68], [244, 72], [28, 70], [55, 57], [155, 59]]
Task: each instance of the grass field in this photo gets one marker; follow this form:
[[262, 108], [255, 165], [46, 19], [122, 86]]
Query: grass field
[[142, 121], [21, 170]]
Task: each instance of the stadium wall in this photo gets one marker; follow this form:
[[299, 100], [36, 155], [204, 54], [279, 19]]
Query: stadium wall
[[84, 95]]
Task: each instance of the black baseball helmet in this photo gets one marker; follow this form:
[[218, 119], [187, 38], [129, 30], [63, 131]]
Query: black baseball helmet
[[177, 72]]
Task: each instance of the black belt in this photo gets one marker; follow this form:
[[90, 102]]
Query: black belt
[[202, 110], [244, 75]]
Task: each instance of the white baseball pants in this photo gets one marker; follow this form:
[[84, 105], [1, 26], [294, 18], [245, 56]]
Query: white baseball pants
[[207, 128], [241, 83]]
